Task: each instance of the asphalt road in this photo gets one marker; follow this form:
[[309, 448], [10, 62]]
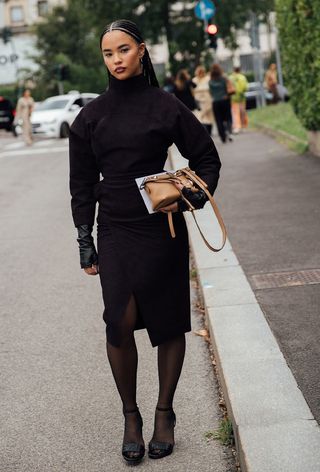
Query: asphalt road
[[59, 410], [270, 198]]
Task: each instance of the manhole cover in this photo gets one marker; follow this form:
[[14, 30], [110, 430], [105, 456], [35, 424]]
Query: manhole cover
[[286, 279]]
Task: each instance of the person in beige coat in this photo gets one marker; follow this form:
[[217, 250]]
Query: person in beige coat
[[203, 98], [23, 112], [271, 82]]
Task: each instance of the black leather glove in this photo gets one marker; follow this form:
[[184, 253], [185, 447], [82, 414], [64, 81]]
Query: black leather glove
[[88, 253], [197, 199]]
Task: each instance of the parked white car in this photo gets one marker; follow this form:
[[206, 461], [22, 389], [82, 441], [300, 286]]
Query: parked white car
[[53, 117]]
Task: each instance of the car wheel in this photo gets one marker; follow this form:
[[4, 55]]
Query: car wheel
[[64, 130]]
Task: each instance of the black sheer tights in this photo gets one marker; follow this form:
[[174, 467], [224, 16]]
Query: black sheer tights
[[124, 361]]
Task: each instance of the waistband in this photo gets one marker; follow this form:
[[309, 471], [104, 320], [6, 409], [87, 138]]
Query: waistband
[[128, 177]]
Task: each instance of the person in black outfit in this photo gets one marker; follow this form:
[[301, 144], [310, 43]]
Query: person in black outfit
[[123, 134], [183, 89], [218, 86]]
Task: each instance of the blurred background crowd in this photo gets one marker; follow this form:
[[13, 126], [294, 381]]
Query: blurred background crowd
[[220, 58]]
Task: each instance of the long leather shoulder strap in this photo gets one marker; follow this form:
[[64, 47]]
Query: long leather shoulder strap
[[195, 178], [171, 226]]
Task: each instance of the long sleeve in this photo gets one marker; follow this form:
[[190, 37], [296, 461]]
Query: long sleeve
[[84, 173], [195, 144]]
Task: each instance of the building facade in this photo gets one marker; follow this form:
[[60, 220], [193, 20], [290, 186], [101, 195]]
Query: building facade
[[16, 53], [244, 55]]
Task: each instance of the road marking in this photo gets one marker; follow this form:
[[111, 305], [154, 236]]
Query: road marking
[[45, 142], [30, 152], [14, 145]]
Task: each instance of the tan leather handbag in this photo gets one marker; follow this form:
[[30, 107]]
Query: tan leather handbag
[[162, 191]]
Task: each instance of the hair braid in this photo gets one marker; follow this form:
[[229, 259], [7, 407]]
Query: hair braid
[[132, 30]]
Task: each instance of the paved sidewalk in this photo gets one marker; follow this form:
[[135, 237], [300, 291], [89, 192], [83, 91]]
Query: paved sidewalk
[[59, 408], [274, 427], [274, 227]]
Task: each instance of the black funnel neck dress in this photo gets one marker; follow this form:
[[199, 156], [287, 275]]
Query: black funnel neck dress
[[123, 134]]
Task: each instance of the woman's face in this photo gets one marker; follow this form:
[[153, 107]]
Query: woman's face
[[122, 54]]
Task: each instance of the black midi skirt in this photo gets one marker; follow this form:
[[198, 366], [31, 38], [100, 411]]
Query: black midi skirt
[[140, 258]]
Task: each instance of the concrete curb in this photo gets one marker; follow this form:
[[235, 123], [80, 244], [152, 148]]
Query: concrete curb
[[274, 428]]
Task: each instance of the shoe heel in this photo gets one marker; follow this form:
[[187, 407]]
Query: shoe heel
[[163, 448], [132, 447]]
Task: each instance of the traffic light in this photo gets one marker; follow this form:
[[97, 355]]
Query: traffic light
[[61, 71], [212, 31], [6, 34]]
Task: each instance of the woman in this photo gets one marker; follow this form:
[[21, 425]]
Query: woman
[[183, 89], [203, 98], [271, 81], [221, 102], [23, 112], [238, 100], [124, 134]]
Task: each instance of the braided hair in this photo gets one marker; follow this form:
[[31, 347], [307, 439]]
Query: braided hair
[[132, 30]]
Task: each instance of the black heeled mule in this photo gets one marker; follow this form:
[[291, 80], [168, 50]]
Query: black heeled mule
[[158, 449], [133, 452]]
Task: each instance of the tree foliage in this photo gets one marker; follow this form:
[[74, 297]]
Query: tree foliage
[[71, 34], [67, 37], [299, 27], [172, 20], [176, 21]]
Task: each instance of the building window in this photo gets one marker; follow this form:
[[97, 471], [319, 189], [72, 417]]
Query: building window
[[16, 14], [43, 8]]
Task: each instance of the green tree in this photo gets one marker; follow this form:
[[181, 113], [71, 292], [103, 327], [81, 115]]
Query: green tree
[[67, 37], [172, 20], [177, 22], [71, 35], [299, 28]]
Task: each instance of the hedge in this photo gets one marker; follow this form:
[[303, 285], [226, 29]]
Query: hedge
[[299, 28]]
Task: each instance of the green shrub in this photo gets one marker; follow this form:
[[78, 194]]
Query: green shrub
[[299, 28]]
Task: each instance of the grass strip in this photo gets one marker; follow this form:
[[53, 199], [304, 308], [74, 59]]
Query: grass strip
[[281, 122]]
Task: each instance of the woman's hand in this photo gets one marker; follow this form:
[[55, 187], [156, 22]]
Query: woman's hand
[[173, 206], [94, 270], [87, 250]]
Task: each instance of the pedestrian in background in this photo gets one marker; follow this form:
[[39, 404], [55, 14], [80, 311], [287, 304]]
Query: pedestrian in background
[[220, 90], [123, 134], [238, 100], [24, 110], [271, 81], [183, 89], [168, 84], [203, 98]]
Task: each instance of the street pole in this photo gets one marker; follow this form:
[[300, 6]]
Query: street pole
[[257, 58], [205, 23], [60, 87], [278, 57], [60, 82]]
